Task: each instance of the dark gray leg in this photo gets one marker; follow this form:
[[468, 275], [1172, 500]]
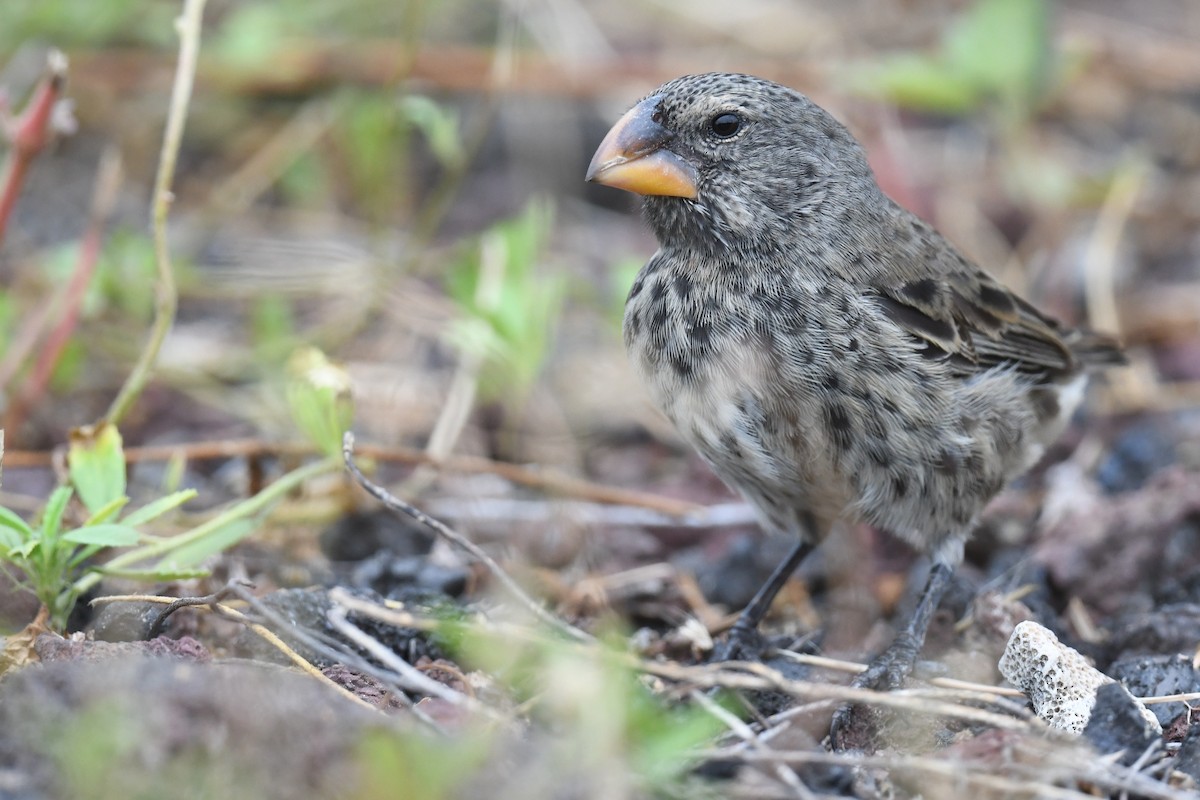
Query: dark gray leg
[[889, 669], [742, 641]]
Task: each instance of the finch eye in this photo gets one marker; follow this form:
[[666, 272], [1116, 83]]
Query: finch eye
[[725, 124]]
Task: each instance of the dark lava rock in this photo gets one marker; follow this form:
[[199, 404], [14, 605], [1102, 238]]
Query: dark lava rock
[[1173, 628], [1117, 724], [308, 609], [52, 647], [391, 576], [1142, 449], [388, 555], [357, 536], [125, 622], [734, 578], [1149, 676]]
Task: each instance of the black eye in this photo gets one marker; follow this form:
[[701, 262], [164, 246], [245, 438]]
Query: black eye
[[726, 124]]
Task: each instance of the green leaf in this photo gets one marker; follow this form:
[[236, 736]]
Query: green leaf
[[10, 521], [107, 535], [8, 540], [96, 462], [251, 35], [52, 516], [193, 553], [998, 50], [25, 549], [509, 303], [159, 507]]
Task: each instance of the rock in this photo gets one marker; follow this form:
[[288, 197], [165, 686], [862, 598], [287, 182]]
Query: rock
[[1059, 681], [1153, 676], [1118, 724]]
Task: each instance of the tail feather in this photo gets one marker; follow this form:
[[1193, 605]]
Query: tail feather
[[1096, 349]]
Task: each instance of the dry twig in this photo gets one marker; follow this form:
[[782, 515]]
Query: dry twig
[[210, 602], [545, 480], [456, 539]]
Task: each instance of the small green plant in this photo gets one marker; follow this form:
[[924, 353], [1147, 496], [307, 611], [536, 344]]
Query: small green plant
[[509, 305], [52, 553], [318, 393], [58, 561]]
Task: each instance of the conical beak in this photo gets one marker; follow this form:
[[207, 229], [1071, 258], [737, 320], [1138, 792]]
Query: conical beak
[[634, 156]]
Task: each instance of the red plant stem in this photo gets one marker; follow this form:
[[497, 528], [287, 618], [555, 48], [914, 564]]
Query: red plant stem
[[30, 135], [108, 179]]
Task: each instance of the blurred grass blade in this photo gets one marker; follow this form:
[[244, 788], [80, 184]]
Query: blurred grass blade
[[154, 510], [10, 521], [194, 553], [108, 511]]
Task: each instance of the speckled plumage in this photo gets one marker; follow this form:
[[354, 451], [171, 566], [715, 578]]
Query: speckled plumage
[[827, 352], [823, 348]]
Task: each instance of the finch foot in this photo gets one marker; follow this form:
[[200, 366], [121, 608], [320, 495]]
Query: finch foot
[[890, 668], [742, 643], [887, 672]]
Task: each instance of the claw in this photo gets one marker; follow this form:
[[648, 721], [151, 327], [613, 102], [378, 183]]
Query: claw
[[887, 672]]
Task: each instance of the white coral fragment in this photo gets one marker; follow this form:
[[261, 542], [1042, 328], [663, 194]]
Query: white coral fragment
[[1058, 680]]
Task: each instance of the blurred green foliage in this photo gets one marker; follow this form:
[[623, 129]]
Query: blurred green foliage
[[428, 768], [998, 53], [87, 23], [510, 302], [125, 274], [591, 723], [244, 32], [609, 729], [272, 327]]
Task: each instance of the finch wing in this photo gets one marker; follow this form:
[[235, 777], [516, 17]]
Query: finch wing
[[974, 324]]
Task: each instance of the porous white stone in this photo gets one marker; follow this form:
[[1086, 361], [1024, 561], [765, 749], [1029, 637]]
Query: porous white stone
[[1058, 680]]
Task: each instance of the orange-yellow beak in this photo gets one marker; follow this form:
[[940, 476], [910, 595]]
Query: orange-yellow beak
[[634, 157]]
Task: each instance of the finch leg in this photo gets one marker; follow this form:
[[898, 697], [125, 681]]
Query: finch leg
[[743, 641], [889, 669]]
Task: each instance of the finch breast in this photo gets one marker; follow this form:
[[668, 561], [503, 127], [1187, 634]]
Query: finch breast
[[804, 396]]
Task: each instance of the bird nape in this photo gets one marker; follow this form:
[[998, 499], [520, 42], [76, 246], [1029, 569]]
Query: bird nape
[[829, 354]]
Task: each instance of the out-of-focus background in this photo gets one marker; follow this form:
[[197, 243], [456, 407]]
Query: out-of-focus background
[[399, 184], [342, 161]]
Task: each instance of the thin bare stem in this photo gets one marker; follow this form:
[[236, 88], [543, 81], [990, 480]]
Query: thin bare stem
[[545, 480], [167, 299], [456, 539]]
